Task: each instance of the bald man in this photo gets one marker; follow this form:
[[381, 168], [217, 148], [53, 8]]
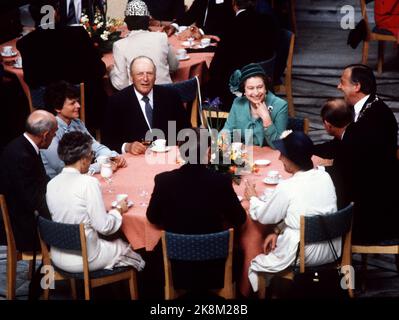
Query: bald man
[[23, 179]]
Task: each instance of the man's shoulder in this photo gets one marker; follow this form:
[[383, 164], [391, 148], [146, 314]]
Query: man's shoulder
[[123, 94]]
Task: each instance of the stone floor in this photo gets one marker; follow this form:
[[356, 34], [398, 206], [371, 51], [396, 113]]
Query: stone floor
[[321, 53]]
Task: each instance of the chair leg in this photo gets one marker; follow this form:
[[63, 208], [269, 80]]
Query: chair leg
[[365, 52], [261, 287], [46, 294], [11, 275], [133, 285], [73, 289], [380, 56]]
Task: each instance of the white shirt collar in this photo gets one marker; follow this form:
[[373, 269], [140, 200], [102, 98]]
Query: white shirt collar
[[359, 105], [31, 142], [139, 96], [239, 11]]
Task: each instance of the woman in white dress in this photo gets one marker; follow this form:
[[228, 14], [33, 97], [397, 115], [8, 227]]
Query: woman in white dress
[[308, 192], [74, 197]]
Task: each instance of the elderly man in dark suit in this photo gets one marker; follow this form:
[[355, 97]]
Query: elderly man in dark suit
[[250, 37], [65, 53], [24, 180], [366, 158], [140, 109]]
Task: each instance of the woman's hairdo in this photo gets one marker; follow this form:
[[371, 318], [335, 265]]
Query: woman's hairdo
[[74, 146]]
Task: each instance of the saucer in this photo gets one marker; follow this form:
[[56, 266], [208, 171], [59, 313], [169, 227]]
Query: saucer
[[13, 54], [262, 162], [17, 66], [267, 180], [155, 149], [183, 58], [129, 204]]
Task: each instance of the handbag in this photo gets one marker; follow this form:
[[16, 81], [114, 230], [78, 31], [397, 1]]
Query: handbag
[[358, 34], [319, 282]]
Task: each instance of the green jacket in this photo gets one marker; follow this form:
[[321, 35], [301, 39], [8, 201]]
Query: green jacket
[[240, 118]]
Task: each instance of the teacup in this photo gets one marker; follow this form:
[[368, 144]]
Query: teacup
[[160, 144], [7, 50], [273, 176], [205, 42], [121, 197], [181, 53], [103, 159]]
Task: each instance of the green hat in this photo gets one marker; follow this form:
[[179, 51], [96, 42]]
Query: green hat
[[239, 76]]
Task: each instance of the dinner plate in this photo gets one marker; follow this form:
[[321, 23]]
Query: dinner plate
[[267, 180], [183, 58], [262, 162], [155, 149], [129, 204], [13, 54]]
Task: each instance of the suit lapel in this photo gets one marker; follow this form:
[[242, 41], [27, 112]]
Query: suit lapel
[[136, 112], [369, 102]]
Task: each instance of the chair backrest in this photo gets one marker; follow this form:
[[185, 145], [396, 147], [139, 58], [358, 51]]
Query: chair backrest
[[198, 247], [320, 228], [7, 225], [36, 101], [284, 55], [268, 67], [298, 124], [189, 92], [214, 119]]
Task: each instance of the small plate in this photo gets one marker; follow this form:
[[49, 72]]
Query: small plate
[[262, 162], [183, 58], [155, 149], [268, 181], [129, 204], [13, 54]]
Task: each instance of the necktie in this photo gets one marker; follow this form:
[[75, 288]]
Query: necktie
[[71, 19], [148, 109]]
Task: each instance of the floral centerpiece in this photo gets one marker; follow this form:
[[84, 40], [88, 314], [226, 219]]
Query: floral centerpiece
[[104, 31], [214, 120]]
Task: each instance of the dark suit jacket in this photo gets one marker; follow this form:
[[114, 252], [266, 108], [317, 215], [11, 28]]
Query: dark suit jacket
[[367, 164], [195, 200], [65, 53], [23, 182], [218, 17], [166, 10], [125, 121], [250, 38]]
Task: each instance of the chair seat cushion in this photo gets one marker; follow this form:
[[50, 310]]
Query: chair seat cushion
[[382, 31], [93, 274]]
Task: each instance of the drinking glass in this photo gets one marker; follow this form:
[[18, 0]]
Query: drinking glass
[[106, 173], [190, 41]]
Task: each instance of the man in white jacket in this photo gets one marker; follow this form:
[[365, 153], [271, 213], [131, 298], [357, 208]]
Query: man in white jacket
[[309, 191], [141, 42]]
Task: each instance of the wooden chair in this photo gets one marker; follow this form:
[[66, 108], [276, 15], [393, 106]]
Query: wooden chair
[[283, 65], [214, 119], [190, 94], [72, 237], [13, 255], [298, 124], [198, 247], [312, 231], [268, 67], [35, 99], [373, 35]]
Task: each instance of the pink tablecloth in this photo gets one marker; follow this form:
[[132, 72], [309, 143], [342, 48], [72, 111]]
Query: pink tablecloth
[[140, 175]]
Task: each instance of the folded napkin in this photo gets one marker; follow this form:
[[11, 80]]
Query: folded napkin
[[206, 49]]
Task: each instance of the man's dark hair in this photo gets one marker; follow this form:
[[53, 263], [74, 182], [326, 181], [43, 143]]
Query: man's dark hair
[[56, 94], [74, 146], [195, 145], [337, 112], [245, 4], [363, 75], [137, 22]]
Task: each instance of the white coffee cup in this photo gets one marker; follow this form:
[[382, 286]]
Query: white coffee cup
[[273, 176], [160, 144], [205, 42], [181, 53], [7, 50], [103, 159], [121, 197]]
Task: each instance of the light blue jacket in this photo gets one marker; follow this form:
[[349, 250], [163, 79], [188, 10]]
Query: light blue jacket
[[53, 164], [240, 118]]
